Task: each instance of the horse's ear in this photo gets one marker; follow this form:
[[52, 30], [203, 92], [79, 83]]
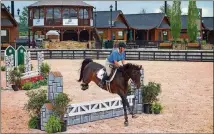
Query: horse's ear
[[140, 66]]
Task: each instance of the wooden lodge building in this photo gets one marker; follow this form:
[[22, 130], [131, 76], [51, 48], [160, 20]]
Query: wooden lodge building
[[73, 20], [9, 28], [76, 20]]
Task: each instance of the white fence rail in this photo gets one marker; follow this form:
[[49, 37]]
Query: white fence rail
[[97, 106]]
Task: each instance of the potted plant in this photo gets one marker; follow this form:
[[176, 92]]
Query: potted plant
[[149, 95], [156, 108], [60, 104], [36, 100], [15, 79]]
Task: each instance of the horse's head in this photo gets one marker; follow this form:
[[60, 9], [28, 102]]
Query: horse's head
[[133, 71]]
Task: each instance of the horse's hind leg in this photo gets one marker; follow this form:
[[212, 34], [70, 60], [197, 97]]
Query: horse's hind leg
[[86, 79]]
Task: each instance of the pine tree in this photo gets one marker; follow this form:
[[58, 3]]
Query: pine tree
[[175, 19]]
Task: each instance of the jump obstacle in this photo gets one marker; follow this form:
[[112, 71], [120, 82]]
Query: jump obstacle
[[88, 111], [14, 58]]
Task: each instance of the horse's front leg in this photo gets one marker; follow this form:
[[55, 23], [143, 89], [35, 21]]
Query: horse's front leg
[[126, 123], [131, 111]]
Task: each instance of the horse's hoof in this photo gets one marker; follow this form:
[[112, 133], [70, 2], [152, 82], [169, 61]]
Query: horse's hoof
[[134, 116], [126, 123]]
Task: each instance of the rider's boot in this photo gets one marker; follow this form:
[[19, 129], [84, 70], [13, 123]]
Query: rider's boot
[[102, 82]]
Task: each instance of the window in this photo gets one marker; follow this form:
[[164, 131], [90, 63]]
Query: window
[[49, 14], [31, 14], [66, 13], [57, 13], [165, 35], [36, 13], [4, 36], [120, 35], [73, 13], [83, 14], [41, 13]]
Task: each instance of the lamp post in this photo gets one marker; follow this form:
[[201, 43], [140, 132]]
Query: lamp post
[[111, 20], [18, 11], [95, 17]]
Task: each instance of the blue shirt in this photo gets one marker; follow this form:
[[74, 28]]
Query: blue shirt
[[116, 56]]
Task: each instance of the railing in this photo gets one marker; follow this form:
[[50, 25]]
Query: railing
[[97, 106], [148, 44], [153, 55]]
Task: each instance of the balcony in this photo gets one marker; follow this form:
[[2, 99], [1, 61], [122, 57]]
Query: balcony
[[60, 22]]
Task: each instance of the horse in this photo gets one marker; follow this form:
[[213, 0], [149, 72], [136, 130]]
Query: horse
[[119, 84]]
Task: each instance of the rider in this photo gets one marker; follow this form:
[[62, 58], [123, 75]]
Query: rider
[[114, 58]]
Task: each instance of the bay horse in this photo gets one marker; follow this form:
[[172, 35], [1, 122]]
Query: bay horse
[[119, 84]]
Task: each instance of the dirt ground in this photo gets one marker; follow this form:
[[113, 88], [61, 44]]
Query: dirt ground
[[187, 96]]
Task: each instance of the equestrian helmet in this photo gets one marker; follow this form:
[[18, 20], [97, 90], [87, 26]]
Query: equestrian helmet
[[121, 44]]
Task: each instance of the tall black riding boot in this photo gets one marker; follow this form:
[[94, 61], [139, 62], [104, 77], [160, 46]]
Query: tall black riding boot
[[102, 83]]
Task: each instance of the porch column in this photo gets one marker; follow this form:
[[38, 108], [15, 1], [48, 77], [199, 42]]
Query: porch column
[[33, 40], [78, 35], [28, 38], [134, 34], [61, 34], [89, 33], [147, 34]]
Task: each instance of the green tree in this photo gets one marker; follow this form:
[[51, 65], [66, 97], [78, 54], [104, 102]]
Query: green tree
[[192, 18], [175, 19], [23, 18]]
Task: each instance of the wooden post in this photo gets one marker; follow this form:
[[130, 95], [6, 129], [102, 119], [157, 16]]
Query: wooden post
[[147, 35], [89, 31], [61, 35], [78, 34], [28, 38], [134, 34]]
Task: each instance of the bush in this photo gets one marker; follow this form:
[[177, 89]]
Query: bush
[[203, 42], [150, 92], [36, 85], [53, 125], [3, 68], [21, 68], [27, 86], [36, 100], [60, 104], [32, 123], [14, 77], [45, 69], [156, 107]]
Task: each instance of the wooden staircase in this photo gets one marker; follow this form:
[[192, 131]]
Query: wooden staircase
[[98, 43]]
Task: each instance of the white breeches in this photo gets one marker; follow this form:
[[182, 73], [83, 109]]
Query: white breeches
[[108, 69]]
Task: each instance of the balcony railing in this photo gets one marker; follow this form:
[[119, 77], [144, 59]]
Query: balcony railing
[[59, 22]]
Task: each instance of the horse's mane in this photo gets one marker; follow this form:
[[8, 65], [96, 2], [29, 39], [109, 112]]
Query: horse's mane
[[131, 66]]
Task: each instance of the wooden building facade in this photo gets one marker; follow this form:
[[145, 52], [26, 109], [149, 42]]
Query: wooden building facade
[[73, 20], [9, 28]]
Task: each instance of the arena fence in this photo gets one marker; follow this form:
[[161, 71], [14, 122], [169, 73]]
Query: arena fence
[[154, 55]]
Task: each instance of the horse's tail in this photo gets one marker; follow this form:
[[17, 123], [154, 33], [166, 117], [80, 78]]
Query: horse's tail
[[84, 63]]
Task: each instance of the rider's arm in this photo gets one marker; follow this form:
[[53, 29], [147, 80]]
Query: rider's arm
[[123, 60], [117, 63]]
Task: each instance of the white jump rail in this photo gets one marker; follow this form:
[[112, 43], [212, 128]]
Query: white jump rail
[[97, 106]]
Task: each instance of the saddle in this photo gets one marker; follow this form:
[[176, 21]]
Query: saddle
[[102, 72]]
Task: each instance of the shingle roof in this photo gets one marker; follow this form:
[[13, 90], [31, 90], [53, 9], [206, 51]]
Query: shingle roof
[[145, 21], [103, 19], [184, 21], [6, 22], [60, 3], [208, 22]]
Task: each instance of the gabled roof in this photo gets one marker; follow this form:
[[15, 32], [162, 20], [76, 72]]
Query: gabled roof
[[208, 22], [103, 19], [7, 21], [184, 22], [60, 3], [145, 21]]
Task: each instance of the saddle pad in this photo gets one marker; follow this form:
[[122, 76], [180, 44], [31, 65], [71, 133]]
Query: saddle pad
[[100, 73]]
